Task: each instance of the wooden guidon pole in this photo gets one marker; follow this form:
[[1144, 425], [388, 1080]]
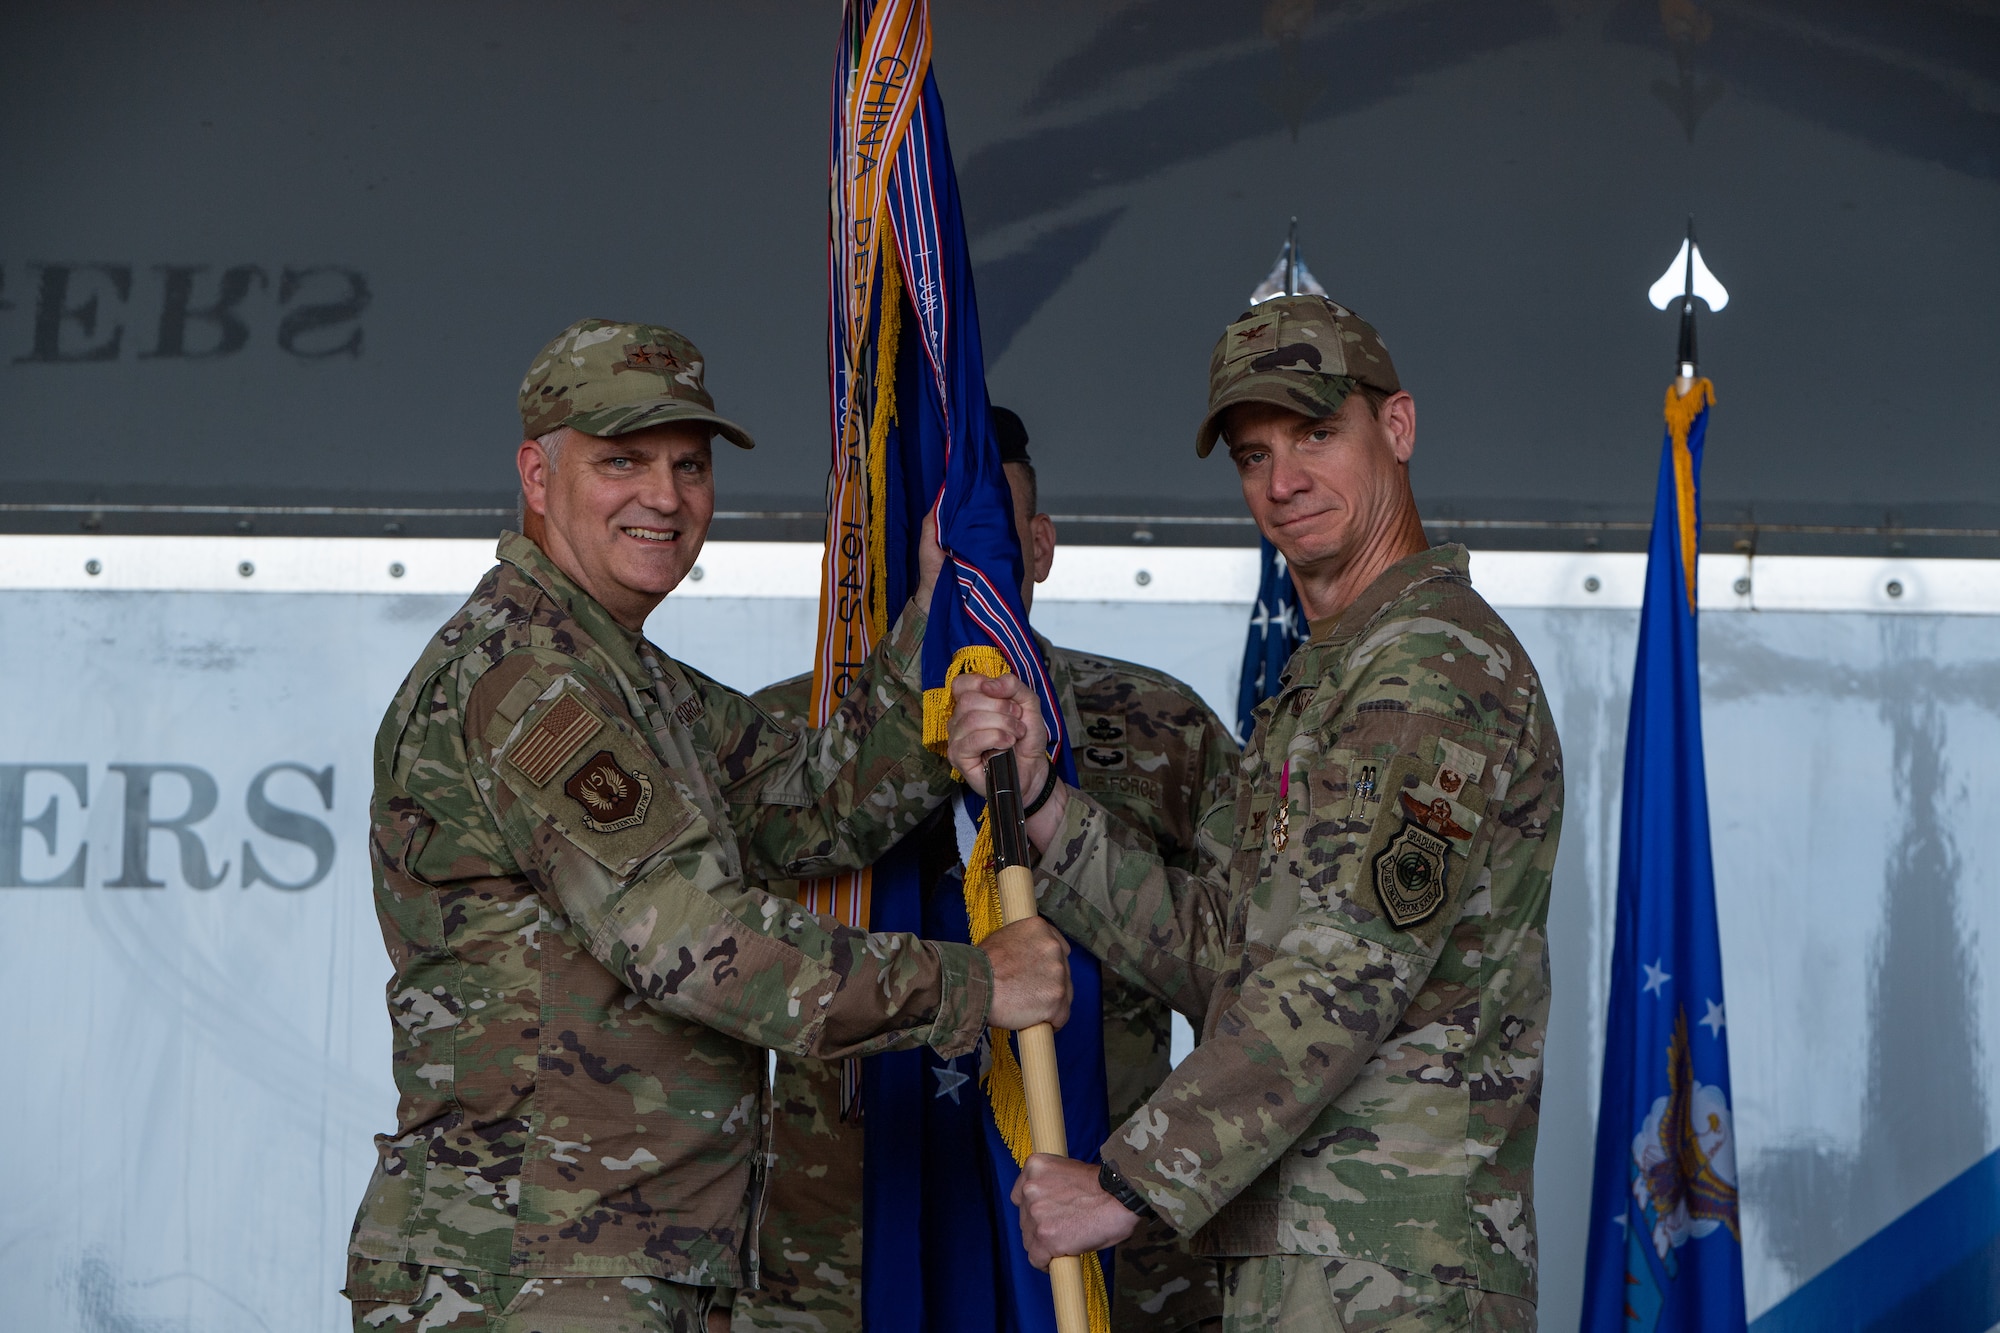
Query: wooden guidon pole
[[1011, 859]]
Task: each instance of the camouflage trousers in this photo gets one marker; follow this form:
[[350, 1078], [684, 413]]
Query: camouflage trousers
[[810, 1244], [1301, 1293], [409, 1298]]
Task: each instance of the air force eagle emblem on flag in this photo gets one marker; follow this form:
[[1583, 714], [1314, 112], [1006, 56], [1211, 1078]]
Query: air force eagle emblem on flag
[[1684, 1158]]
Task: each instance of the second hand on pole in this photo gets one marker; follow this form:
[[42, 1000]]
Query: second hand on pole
[[1011, 861]]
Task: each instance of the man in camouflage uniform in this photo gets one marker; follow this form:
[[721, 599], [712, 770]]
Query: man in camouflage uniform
[[1153, 755], [566, 822], [1363, 938]]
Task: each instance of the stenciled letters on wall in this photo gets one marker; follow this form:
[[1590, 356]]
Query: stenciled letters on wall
[[180, 800], [81, 310]]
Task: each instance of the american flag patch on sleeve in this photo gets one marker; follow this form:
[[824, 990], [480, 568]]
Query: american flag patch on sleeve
[[547, 745]]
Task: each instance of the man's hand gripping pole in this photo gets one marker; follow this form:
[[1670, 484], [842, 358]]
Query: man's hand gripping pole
[[1011, 860]]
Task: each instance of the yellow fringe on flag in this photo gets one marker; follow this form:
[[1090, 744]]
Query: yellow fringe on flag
[[888, 337], [938, 703], [1005, 1089], [1682, 409]]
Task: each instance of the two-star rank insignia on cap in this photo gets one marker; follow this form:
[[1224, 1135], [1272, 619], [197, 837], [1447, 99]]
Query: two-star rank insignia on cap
[[611, 798]]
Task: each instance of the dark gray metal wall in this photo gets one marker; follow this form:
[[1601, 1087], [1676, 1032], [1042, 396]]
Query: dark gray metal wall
[[270, 256]]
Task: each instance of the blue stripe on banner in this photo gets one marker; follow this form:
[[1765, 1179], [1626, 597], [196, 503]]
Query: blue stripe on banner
[[1935, 1268]]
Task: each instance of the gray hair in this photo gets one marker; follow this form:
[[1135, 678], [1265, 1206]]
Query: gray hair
[[552, 443]]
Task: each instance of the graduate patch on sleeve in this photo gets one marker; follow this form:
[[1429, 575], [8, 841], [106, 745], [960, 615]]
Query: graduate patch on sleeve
[[1420, 853], [1410, 876]]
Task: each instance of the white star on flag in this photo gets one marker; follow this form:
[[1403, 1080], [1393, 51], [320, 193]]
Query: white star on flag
[[1712, 1020], [1656, 977], [950, 1081]]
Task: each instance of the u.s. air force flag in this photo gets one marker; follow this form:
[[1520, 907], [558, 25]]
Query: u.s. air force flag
[[913, 444], [1666, 1248]]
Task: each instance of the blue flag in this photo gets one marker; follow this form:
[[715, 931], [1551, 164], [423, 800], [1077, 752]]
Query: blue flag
[[1666, 1247], [1277, 628], [942, 1241]]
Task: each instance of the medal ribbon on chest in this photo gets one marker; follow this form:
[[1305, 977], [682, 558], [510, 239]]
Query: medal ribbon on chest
[[1281, 827]]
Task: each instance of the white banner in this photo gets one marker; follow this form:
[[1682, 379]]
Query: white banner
[[189, 949]]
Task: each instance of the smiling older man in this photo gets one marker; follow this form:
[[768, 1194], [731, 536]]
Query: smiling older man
[[568, 831], [1362, 940]]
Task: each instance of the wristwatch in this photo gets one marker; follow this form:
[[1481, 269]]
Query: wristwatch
[[1120, 1189]]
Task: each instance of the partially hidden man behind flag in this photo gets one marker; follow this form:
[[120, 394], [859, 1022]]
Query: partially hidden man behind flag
[[1666, 1249], [913, 444]]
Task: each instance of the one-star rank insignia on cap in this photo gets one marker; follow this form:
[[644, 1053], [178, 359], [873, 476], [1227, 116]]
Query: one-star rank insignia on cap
[[1409, 876], [612, 799]]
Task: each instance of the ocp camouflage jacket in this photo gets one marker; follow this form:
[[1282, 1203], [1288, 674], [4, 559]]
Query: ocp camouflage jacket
[[1363, 944], [563, 822]]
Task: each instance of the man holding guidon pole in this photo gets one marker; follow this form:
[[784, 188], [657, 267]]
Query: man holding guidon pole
[[1363, 940], [568, 832], [1153, 754]]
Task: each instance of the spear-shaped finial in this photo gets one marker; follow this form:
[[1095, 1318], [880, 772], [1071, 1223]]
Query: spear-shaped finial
[[1685, 279], [1289, 276]]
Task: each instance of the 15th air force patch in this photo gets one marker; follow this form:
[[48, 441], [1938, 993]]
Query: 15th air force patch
[[612, 798]]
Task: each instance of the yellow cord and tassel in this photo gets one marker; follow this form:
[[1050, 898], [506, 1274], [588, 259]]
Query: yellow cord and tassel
[[1682, 409], [1005, 1089], [938, 702], [888, 337]]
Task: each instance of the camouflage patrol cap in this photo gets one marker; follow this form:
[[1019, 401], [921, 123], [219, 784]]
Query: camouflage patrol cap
[[1304, 353], [606, 378]]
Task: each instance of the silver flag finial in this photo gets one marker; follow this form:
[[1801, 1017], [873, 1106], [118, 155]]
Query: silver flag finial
[[1688, 277], [1289, 276]]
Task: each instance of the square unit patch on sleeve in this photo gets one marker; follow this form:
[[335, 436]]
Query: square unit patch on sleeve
[[548, 745], [611, 798]]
